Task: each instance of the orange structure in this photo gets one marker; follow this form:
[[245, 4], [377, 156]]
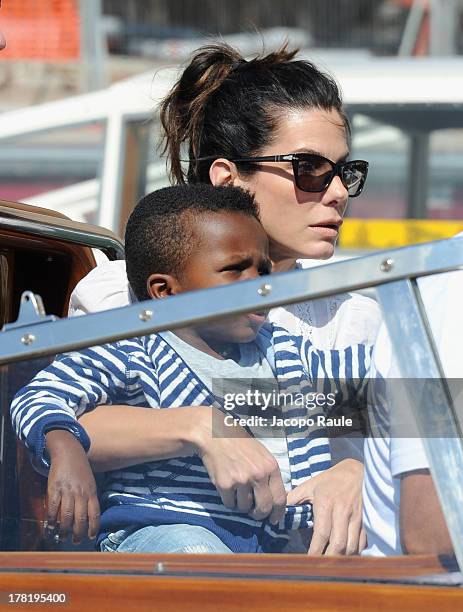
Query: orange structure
[[422, 42], [41, 30]]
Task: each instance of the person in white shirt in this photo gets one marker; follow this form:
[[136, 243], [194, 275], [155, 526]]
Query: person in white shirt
[[274, 126], [402, 513]]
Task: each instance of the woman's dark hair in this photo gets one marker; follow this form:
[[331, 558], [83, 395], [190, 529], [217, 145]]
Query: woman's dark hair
[[161, 234], [225, 106]]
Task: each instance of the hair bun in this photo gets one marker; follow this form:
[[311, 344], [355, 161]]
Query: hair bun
[[208, 68], [182, 111]]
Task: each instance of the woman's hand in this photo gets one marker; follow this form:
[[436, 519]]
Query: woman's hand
[[336, 498], [245, 473]]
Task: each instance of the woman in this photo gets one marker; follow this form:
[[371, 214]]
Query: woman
[[274, 126]]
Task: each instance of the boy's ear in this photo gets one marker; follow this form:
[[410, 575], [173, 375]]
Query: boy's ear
[[222, 172], [162, 285]]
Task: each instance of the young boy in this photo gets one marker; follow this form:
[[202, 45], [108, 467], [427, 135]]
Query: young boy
[[180, 478]]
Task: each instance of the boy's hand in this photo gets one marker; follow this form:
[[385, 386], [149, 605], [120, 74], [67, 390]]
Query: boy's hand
[[245, 473], [72, 492], [336, 498]]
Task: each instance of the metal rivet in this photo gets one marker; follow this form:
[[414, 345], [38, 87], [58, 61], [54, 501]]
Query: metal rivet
[[265, 289], [145, 315], [387, 265], [28, 339], [160, 568]]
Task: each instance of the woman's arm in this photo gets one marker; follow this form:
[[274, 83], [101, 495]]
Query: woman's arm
[[244, 472], [122, 436], [336, 498]]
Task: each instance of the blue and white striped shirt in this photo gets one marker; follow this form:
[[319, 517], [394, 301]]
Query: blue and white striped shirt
[[147, 372]]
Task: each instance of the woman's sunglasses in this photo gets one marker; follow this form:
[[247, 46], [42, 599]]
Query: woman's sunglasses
[[313, 172]]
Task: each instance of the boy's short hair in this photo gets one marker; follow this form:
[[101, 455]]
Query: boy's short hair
[[160, 236]]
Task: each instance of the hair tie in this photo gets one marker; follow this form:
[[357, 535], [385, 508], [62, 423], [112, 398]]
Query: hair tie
[[238, 63]]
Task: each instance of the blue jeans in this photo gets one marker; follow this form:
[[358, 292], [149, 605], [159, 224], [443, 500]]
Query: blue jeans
[[164, 539]]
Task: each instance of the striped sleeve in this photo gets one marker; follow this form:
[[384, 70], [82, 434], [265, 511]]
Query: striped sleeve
[[73, 384], [344, 371]]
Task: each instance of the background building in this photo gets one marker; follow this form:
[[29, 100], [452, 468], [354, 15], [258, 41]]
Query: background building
[[398, 61]]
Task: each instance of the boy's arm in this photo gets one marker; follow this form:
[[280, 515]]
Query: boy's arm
[[72, 384], [44, 416], [72, 498]]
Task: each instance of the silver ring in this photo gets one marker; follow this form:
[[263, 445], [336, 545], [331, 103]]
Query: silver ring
[[56, 538]]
